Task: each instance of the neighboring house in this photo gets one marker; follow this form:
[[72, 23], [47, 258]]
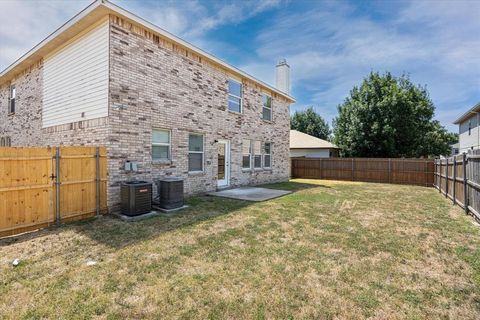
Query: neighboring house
[[108, 77], [455, 149], [307, 146], [469, 129]]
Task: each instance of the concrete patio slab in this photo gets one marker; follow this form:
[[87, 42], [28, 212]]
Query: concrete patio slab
[[250, 193]]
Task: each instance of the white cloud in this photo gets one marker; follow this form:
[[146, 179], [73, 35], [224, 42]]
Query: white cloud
[[29, 22], [331, 48]]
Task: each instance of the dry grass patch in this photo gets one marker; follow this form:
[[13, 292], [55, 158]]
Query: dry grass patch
[[328, 250]]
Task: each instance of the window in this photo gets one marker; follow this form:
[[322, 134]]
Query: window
[[267, 155], [266, 107], [257, 154], [5, 142], [234, 96], [469, 127], [247, 154], [160, 144], [11, 99], [195, 153]]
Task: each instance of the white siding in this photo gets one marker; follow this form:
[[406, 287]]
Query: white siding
[[469, 139], [75, 80]]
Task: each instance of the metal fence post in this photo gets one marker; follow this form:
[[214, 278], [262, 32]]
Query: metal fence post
[[465, 192], [97, 179], [454, 179], [57, 184]]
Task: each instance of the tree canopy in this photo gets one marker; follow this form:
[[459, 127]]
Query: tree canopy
[[310, 122], [389, 117]]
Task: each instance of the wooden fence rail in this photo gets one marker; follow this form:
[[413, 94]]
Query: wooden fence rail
[[43, 186], [383, 170], [458, 178]]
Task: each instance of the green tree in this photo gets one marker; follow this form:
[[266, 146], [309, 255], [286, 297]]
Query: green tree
[[310, 122], [389, 117]]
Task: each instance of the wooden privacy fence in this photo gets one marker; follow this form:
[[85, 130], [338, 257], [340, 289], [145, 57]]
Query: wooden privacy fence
[[458, 178], [398, 171], [42, 186]]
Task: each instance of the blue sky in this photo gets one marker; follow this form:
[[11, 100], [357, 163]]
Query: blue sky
[[330, 45]]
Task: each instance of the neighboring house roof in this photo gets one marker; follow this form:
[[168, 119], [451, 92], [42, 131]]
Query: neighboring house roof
[[300, 140], [468, 114], [92, 13]]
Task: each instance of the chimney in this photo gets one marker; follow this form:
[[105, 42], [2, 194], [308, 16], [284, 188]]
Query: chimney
[[283, 76]]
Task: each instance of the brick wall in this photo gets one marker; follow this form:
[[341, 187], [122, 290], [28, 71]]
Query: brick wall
[[154, 86]]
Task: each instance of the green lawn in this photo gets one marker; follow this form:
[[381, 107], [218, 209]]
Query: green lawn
[[328, 250]]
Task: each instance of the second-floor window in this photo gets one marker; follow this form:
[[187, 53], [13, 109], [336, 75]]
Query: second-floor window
[[469, 127], [234, 96], [11, 99], [266, 107]]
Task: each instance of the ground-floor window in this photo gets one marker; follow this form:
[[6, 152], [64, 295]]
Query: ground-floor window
[[195, 152], [246, 154], [267, 155], [5, 142], [161, 144], [257, 154]]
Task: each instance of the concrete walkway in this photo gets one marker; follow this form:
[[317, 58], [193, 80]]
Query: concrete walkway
[[250, 193]]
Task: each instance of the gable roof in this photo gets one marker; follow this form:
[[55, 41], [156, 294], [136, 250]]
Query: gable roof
[[300, 140], [468, 114], [94, 12]]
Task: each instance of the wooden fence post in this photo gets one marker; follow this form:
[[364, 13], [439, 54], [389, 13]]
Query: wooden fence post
[[440, 176], [57, 185], [353, 169], [389, 170], [446, 178], [465, 191], [97, 179], [454, 179]]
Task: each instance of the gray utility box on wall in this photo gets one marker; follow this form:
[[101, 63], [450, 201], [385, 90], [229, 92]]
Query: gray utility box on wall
[[136, 197], [170, 192]]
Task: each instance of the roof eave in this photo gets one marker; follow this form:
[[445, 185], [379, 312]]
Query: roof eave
[[468, 114], [103, 7]]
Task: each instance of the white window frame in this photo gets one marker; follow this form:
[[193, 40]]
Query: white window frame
[[249, 155], [267, 154], [257, 155], [235, 96], [202, 152], [12, 95], [270, 109], [169, 144]]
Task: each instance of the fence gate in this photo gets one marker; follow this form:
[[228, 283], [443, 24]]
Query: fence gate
[[43, 186]]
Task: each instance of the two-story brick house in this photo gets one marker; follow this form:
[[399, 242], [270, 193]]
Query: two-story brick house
[[108, 77]]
